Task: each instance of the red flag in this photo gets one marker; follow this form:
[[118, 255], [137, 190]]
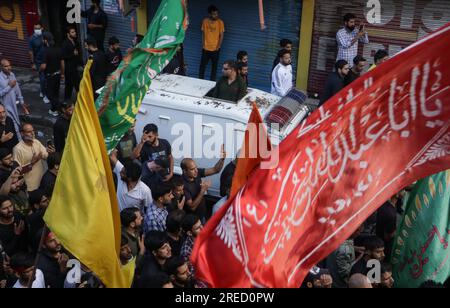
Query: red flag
[[378, 135], [255, 147]]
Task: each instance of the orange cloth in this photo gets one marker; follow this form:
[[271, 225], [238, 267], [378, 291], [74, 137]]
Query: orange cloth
[[212, 31], [247, 160]]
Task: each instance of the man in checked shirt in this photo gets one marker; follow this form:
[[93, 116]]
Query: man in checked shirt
[[348, 38]]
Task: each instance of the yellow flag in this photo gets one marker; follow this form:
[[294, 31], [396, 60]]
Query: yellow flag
[[83, 212]]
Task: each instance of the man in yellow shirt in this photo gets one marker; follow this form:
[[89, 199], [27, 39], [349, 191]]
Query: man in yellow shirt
[[30, 154], [213, 29]]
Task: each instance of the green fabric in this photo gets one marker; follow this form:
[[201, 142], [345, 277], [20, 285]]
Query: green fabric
[[119, 101], [421, 250]]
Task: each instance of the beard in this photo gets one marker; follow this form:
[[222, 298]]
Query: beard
[[351, 28]]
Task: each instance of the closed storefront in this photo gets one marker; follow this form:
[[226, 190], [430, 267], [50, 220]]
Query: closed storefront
[[16, 24], [401, 23], [124, 28], [243, 32]]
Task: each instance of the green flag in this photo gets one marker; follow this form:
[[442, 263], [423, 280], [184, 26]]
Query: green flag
[[421, 250], [119, 102]]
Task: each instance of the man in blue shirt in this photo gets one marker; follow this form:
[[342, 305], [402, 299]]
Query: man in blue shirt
[[36, 52]]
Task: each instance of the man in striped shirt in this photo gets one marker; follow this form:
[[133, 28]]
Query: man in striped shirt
[[348, 38]]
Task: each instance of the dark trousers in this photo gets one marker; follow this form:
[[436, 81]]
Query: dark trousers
[[53, 84], [41, 80], [71, 81], [206, 56]]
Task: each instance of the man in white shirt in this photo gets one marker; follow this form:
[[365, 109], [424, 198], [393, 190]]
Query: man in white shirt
[[23, 266], [131, 191], [282, 79]]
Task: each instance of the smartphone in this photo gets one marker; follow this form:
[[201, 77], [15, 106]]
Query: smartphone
[[26, 169], [50, 143]]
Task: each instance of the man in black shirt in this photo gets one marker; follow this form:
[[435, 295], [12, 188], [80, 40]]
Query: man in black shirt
[[71, 50], [99, 68], [49, 178], [8, 135], [195, 188], [97, 21], [159, 251], [61, 126], [174, 231], [179, 272], [72, 59], [374, 250], [53, 262], [359, 63], [113, 54], [335, 81], [13, 231], [53, 67], [151, 147]]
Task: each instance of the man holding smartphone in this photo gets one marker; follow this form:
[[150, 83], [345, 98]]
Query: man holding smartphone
[[348, 38], [31, 153]]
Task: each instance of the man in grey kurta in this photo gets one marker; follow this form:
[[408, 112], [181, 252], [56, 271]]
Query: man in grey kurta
[[10, 93]]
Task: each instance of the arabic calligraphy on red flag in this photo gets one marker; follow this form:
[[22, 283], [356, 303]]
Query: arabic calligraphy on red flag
[[378, 135]]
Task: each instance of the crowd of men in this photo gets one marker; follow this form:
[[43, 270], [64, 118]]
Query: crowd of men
[[161, 213]]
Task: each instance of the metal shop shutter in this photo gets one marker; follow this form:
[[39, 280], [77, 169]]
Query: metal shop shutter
[[242, 32], [13, 33], [124, 28], [403, 22]]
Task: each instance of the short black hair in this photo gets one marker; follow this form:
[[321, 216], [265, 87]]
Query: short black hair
[[241, 54], [98, 2], [177, 181], [380, 54], [173, 264], [283, 52], [133, 170], [128, 215], [53, 160], [91, 42], [3, 199], [373, 242], [162, 162], [285, 42], [189, 222], [155, 281], [151, 128], [358, 59], [113, 40], [212, 8], [4, 152], [174, 220], [21, 260], [160, 190], [184, 162], [70, 27], [340, 64], [39, 23], [35, 197], [232, 64], [154, 240], [349, 16]]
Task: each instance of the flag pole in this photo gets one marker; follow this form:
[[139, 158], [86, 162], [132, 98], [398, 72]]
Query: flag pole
[[38, 254]]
